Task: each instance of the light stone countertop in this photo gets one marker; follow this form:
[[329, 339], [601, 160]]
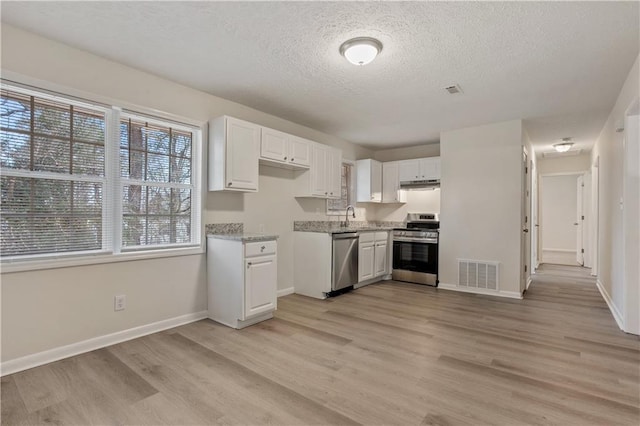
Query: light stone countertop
[[334, 227], [245, 237]]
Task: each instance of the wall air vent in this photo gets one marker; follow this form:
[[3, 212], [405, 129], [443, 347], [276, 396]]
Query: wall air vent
[[453, 89], [478, 274]]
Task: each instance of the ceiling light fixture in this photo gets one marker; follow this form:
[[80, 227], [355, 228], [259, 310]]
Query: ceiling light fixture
[[360, 50], [564, 146]]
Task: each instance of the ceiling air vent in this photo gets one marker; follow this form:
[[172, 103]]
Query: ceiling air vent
[[453, 89]]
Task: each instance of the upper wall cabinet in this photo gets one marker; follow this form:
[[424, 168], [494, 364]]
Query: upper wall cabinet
[[391, 192], [420, 169], [284, 150], [369, 181], [323, 179], [234, 149]]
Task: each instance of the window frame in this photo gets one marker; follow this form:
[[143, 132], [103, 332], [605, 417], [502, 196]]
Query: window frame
[[112, 208], [352, 190]]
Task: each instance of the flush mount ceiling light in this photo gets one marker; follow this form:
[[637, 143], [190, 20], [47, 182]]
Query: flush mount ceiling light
[[564, 146], [360, 50]]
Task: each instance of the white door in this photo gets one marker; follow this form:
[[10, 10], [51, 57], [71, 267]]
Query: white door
[[243, 151], [260, 285], [334, 173], [390, 183], [380, 258], [299, 151], [366, 259], [319, 171], [525, 243], [631, 224], [409, 170], [274, 145], [558, 224], [534, 228], [579, 221]]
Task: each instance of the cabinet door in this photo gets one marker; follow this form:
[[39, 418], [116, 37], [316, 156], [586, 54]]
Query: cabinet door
[[299, 151], [380, 259], [260, 285], [243, 150], [318, 171], [390, 182], [366, 258], [334, 170], [376, 181], [274, 145], [410, 170], [430, 168]]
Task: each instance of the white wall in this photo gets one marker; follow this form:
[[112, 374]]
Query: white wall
[[609, 150], [569, 164], [45, 309], [418, 151], [558, 210], [481, 200]]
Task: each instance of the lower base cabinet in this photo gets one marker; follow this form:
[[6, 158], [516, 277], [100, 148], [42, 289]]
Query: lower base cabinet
[[372, 255], [242, 281]]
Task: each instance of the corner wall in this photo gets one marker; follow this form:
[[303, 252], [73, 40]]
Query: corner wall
[[481, 200], [608, 152]]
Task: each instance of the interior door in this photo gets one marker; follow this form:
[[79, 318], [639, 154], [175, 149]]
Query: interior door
[[525, 243], [579, 221]]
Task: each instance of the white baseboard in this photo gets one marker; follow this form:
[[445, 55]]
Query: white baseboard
[[528, 282], [285, 291], [559, 256], [508, 294], [55, 354], [614, 311]]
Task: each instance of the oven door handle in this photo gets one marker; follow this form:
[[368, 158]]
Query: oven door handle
[[411, 240]]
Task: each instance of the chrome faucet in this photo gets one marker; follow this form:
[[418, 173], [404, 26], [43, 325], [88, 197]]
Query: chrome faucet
[[346, 214]]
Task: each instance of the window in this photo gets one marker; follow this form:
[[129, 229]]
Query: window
[[347, 188], [61, 191]]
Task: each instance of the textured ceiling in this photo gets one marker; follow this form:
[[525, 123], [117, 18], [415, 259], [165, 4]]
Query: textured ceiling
[[558, 65]]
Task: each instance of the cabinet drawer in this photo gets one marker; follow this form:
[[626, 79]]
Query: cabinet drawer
[[382, 236], [367, 237], [260, 248]]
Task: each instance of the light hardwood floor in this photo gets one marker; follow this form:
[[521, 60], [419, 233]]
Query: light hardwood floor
[[389, 353]]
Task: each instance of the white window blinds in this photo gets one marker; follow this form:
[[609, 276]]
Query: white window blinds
[[82, 179], [52, 162]]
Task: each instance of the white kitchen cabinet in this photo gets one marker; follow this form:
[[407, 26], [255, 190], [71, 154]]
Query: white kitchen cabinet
[[284, 150], [380, 257], [242, 281], [391, 192], [420, 169], [323, 179], [366, 256], [369, 181], [234, 150], [373, 255]]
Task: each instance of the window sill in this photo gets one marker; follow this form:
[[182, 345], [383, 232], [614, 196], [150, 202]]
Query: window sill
[[9, 267]]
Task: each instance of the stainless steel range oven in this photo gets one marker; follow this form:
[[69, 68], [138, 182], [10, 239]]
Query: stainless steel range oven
[[415, 249]]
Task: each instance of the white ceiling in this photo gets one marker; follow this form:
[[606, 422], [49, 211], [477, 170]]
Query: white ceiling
[[558, 65]]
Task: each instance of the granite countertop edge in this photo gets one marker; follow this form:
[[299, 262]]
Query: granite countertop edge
[[338, 230], [244, 237]]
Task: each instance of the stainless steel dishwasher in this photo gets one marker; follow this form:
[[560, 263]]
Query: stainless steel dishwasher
[[345, 262]]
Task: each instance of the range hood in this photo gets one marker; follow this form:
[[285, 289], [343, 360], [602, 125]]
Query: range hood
[[420, 184]]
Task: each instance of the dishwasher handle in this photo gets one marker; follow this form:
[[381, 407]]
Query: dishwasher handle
[[345, 235]]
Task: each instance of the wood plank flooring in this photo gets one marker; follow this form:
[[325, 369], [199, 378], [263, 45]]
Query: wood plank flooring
[[389, 353]]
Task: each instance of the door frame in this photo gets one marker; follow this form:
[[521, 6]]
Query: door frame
[[630, 213], [541, 191]]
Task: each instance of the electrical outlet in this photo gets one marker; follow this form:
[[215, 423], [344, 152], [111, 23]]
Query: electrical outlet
[[119, 302]]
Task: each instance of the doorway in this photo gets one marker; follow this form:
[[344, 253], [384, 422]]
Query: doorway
[[563, 218]]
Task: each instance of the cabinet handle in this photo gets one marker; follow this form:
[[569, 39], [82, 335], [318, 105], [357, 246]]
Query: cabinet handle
[[291, 158], [249, 265], [326, 193], [229, 184], [416, 177], [285, 158], [262, 248]]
